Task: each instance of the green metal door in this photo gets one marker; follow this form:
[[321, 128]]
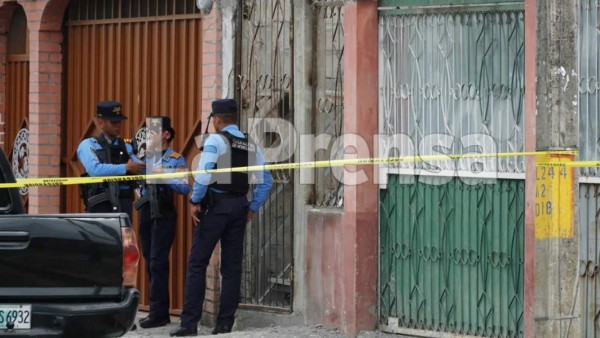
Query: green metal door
[[451, 232], [452, 257]]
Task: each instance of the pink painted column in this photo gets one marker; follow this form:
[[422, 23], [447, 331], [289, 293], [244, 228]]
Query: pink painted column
[[360, 226], [530, 172]]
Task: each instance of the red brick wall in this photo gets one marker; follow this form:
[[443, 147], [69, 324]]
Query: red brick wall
[[44, 21], [211, 89]]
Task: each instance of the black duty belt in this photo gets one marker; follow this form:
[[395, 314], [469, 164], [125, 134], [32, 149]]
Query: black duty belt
[[223, 195]]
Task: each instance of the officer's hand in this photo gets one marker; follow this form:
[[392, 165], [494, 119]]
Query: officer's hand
[[249, 215], [196, 209], [135, 168]]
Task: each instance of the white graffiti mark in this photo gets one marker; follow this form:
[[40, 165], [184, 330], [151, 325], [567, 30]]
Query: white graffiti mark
[[20, 157], [140, 139]]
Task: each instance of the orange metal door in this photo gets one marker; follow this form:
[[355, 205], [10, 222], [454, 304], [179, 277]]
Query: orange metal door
[[145, 54], [16, 144], [16, 128]]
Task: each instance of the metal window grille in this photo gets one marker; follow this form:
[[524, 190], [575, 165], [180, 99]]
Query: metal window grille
[[265, 91], [87, 10], [457, 76], [329, 100], [589, 85]]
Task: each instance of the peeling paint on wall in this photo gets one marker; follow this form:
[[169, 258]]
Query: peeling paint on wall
[[228, 10]]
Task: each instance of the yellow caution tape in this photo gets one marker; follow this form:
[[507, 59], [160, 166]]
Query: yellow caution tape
[[59, 181], [574, 164]]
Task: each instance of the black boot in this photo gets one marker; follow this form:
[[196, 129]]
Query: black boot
[[184, 332], [150, 322], [221, 328]]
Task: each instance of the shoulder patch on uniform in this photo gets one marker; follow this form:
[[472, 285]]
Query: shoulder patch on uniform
[[127, 140], [175, 155]]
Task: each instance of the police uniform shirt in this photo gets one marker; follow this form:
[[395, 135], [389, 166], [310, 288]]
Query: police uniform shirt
[[170, 161], [215, 146], [86, 152]]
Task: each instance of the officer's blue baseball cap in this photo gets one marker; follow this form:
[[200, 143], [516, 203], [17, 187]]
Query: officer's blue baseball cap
[[224, 106], [110, 110]]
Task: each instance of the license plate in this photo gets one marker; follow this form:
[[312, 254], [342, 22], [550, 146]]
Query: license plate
[[17, 314]]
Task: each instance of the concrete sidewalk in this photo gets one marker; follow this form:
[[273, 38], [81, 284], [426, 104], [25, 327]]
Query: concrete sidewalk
[[270, 331]]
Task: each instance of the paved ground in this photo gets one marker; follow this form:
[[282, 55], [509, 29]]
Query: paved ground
[[270, 332]]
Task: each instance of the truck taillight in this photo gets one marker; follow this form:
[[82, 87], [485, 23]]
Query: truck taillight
[[131, 256]]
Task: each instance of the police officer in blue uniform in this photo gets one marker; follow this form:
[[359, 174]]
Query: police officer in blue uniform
[[220, 211], [109, 155], [158, 216]]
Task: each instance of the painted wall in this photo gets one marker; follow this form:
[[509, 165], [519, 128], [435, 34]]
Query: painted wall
[[341, 245]]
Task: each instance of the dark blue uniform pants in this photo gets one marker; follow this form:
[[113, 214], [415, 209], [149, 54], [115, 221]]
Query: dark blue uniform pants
[[225, 222], [157, 237]]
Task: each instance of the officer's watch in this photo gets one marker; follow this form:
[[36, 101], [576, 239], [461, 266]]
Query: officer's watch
[[194, 203]]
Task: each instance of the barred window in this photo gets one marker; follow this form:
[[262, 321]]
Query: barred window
[[85, 10], [329, 100]]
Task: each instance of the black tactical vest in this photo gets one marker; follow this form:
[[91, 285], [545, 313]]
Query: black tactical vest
[[241, 152], [110, 154]]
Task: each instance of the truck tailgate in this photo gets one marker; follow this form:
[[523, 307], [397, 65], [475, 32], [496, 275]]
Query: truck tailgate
[[61, 256]]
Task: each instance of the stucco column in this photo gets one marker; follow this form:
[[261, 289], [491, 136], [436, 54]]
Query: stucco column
[[557, 95], [360, 225]]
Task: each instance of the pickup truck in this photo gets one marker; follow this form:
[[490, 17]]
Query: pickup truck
[[68, 275]]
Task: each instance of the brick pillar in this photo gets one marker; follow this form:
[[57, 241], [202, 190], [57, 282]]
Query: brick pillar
[[360, 201], [211, 89], [45, 105]]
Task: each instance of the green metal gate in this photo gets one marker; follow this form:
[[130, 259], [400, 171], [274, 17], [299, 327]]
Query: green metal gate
[[452, 257], [451, 232]]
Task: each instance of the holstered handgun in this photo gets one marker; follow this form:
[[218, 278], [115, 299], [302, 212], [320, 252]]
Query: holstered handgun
[[208, 201]]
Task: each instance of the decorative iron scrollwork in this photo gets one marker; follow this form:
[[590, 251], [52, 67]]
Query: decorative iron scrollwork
[[20, 157]]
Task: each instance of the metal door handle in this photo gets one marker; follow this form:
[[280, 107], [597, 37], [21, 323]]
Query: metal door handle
[[14, 239]]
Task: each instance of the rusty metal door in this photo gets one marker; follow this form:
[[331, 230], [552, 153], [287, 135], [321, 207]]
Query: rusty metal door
[[264, 79], [144, 54], [16, 144]]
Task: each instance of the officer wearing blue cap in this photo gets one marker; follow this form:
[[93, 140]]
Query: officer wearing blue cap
[[108, 155], [220, 210], [158, 216]]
